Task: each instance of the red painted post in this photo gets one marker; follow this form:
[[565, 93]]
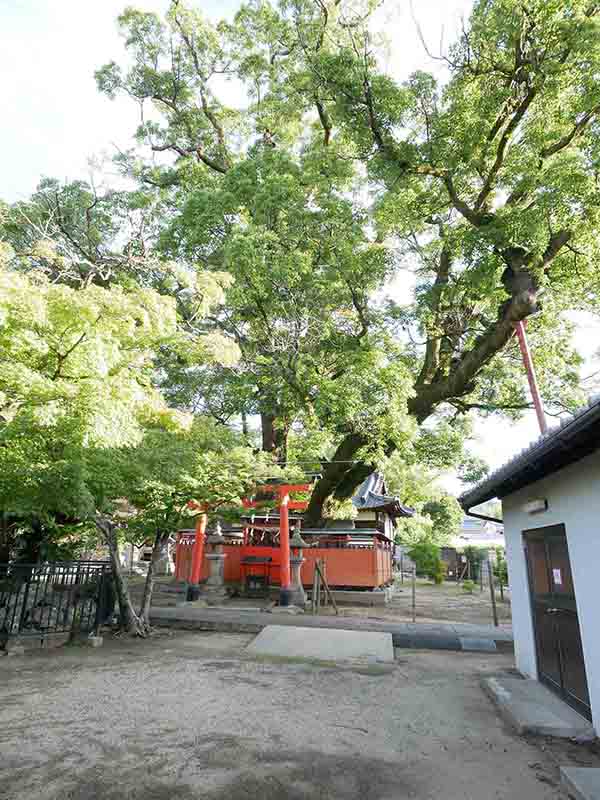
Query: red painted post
[[284, 544], [530, 369], [198, 551]]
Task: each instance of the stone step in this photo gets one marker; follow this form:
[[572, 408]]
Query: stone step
[[530, 707], [582, 783]]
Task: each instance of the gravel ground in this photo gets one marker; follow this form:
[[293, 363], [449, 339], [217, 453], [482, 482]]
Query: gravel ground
[[191, 716]]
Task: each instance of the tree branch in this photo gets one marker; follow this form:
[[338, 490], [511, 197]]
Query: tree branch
[[432, 350], [577, 129], [502, 145], [325, 120]]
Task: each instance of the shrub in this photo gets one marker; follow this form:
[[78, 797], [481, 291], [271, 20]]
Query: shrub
[[426, 556], [468, 586], [501, 567], [439, 574], [474, 556]]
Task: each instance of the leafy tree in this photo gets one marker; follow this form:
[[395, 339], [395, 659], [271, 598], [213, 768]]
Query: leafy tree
[[474, 556], [426, 556], [76, 393], [162, 482], [438, 513], [501, 566], [486, 183], [446, 516], [74, 372]]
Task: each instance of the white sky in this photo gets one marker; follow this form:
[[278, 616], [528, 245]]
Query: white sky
[[54, 120]]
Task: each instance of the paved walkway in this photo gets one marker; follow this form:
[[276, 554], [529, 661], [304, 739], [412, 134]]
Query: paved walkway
[[443, 635]]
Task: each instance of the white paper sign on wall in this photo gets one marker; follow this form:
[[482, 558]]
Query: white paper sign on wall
[[557, 577]]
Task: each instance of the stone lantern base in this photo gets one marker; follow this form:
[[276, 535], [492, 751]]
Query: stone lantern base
[[214, 588], [297, 596], [214, 591]]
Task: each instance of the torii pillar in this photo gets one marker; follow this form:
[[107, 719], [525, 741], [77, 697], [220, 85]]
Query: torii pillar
[[285, 592]]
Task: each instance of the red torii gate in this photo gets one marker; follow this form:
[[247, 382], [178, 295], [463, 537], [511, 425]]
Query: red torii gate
[[283, 492]]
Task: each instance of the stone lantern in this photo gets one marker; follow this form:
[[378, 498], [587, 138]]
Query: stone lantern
[[297, 544], [214, 587]]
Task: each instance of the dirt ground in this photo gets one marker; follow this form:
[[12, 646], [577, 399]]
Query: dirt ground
[[445, 603], [190, 716]]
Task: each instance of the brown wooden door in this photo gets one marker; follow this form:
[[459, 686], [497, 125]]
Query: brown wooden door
[[559, 652]]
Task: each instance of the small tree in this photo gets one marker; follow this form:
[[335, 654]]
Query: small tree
[[169, 473], [474, 556], [426, 555], [501, 566]]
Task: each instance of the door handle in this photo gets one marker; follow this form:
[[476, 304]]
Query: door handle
[[553, 610]]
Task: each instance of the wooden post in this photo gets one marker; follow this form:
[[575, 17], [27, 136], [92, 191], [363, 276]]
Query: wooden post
[[492, 593], [316, 589], [414, 593], [481, 576], [402, 567], [320, 567]]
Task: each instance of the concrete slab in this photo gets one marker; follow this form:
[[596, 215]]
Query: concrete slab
[[477, 645], [325, 645], [582, 783], [530, 707], [356, 598], [426, 641]]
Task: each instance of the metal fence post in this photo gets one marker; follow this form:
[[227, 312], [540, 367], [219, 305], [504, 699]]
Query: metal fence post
[[414, 593], [492, 593], [99, 599]]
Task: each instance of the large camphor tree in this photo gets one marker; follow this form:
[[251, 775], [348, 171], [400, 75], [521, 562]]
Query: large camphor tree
[[325, 175]]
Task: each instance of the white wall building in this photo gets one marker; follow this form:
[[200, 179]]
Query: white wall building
[[551, 508], [478, 533]]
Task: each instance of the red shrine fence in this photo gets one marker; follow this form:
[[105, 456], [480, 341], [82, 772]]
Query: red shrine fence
[[348, 564]]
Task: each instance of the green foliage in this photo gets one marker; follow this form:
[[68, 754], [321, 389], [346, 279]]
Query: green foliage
[[445, 514], [438, 514], [246, 270], [501, 566], [74, 373], [439, 574], [81, 422], [468, 587], [474, 556], [426, 556]]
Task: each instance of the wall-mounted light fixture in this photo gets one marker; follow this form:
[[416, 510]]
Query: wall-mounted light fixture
[[536, 506]]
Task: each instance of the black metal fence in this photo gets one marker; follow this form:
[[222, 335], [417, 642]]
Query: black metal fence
[[53, 598]]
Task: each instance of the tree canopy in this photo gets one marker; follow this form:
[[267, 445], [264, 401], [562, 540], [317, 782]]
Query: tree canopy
[[281, 183], [330, 175]]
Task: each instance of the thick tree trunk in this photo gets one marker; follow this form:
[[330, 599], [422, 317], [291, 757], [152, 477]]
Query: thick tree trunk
[[274, 436], [6, 539], [334, 473], [340, 480], [159, 542], [130, 621]]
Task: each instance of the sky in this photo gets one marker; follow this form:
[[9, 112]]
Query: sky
[[54, 120]]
